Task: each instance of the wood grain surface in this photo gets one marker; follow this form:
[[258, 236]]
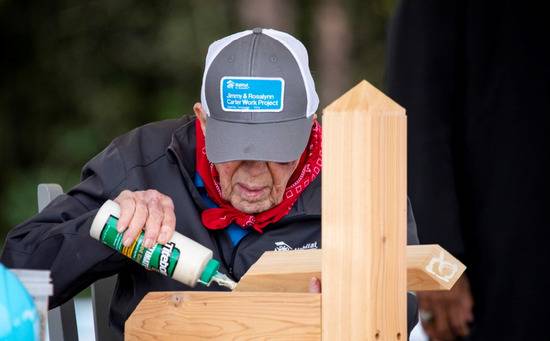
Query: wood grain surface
[[225, 316], [431, 267], [364, 211], [282, 271], [290, 271]]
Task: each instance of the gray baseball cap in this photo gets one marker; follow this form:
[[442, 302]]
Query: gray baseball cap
[[259, 97]]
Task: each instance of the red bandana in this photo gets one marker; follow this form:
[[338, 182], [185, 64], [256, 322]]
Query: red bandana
[[219, 218]]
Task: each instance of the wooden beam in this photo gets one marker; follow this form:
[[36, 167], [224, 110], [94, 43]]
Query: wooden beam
[[364, 195], [282, 271], [225, 316], [431, 267], [290, 271]]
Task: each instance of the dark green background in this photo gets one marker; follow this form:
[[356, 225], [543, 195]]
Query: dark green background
[[75, 74]]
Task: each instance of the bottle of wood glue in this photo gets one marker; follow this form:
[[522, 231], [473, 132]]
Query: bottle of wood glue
[[181, 258]]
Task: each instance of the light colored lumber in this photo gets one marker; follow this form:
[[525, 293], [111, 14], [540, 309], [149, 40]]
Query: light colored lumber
[[431, 267], [364, 195], [225, 316], [364, 267], [282, 271], [290, 271]]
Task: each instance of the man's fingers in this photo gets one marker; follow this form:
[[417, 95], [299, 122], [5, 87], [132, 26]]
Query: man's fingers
[[315, 285], [150, 211], [167, 202], [425, 305], [441, 327], [467, 313], [467, 308], [168, 225], [457, 320], [437, 328], [452, 311], [152, 225], [127, 208], [136, 224]]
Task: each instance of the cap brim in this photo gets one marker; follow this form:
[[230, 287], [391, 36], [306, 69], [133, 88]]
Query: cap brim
[[278, 142]]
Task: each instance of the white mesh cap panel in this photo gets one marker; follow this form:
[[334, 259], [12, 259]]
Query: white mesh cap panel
[[213, 50], [299, 52]]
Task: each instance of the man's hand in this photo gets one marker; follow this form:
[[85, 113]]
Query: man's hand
[[447, 313], [148, 210]]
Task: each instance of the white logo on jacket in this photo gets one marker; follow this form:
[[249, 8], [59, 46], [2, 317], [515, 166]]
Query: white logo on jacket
[[282, 246]]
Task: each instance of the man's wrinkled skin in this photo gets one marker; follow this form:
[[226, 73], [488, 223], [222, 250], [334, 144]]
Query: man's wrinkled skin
[[149, 210], [250, 186], [452, 311]]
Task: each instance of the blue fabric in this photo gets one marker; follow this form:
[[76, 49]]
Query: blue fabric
[[234, 231], [19, 318]]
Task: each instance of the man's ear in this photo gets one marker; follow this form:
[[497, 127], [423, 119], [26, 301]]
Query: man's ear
[[201, 115]]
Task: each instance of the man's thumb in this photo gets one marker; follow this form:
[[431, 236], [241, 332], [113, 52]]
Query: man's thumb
[[314, 285]]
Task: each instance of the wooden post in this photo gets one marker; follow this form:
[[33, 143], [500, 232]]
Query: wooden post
[[364, 211]]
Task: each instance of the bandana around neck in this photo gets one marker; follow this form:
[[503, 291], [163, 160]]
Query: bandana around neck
[[307, 170]]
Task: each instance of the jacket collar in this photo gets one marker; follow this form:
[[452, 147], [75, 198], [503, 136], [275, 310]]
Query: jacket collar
[[181, 151]]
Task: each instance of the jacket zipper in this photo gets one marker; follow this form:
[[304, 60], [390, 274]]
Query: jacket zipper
[[234, 254], [297, 217], [230, 266]]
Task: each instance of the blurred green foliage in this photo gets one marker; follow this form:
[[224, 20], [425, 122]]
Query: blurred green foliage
[[75, 74]]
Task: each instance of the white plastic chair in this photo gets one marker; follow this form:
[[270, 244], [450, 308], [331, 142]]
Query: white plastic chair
[[62, 320]]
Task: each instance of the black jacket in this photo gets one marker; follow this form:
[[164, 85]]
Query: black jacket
[[157, 156]]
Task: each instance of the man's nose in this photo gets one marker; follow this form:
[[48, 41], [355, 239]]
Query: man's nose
[[255, 168]]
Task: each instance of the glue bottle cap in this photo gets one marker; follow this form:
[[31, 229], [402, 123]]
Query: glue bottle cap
[[209, 271]]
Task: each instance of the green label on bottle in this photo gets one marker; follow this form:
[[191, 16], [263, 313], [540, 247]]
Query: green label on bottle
[[160, 258]]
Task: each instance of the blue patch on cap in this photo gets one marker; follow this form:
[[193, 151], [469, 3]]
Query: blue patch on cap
[[252, 94]]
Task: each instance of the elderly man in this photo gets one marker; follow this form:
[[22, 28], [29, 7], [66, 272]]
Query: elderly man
[[241, 179]]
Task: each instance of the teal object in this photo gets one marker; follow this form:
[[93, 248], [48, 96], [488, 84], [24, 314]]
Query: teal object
[[209, 271], [19, 319]]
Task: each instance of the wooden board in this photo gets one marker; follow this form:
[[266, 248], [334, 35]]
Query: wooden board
[[282, 271], [290, 271], [225, 316], [364, 195], [431, 267]]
